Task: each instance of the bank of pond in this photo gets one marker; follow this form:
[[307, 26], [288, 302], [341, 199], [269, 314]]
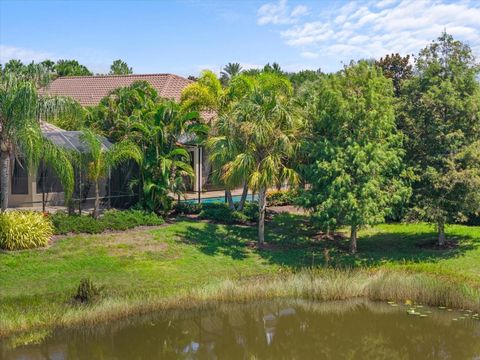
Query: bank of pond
[[274, 329]]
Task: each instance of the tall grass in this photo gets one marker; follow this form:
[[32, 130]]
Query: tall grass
[[321, 285]]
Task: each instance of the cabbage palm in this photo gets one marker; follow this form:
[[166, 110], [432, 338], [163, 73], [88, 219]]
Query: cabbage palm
[[99, 160], [229, 72], [21, 110]]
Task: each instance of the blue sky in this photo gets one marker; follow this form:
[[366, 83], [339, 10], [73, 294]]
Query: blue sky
[[187, 36]]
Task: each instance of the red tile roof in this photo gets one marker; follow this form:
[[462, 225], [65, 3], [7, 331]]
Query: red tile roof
[[89, 90]]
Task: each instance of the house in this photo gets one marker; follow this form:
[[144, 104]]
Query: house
[[29, 187]]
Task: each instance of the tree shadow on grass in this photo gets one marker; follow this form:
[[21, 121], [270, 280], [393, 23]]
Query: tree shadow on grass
[[218, 239], [293, 241]]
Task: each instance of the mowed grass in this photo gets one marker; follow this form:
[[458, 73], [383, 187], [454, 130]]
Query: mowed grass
[[176, 259]]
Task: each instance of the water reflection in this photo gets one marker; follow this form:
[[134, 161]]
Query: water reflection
[[271, 330]]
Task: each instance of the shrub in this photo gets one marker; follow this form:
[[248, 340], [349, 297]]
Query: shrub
[[281, 197], [87, 292], [188, 208], [250, 209], [474, 220], [220, 212], [123, 220], [111, 220], [24, 230], [65, 224]]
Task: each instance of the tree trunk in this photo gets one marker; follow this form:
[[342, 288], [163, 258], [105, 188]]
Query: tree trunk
[[353, 239], [262, 207], [441, 233], [71, 207], [231, 205], [96, 207], [44, 205], [4, 161], [244, 197]]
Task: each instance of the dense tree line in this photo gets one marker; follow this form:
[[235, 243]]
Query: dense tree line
[[50, 69], [386, 139], [396, 138]]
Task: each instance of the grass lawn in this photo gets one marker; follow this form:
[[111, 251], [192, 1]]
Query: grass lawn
[[172, 259]]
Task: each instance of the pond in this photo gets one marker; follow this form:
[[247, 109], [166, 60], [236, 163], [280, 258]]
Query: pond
[[292, 329]]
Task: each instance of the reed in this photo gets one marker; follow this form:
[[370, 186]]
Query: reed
[[318, 285]]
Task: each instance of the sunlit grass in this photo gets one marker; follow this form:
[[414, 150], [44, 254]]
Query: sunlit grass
[[190, 263]]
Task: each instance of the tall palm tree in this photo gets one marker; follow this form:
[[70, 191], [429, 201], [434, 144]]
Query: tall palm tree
[[208, 95], [266, 123], [229, 72], [99, 160], [21, 110]]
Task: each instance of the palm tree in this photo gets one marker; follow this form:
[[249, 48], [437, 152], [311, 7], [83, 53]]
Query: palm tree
[[208, 95], [21, 110], [266, 122], [165, 160], [99, 160], [229, 72]]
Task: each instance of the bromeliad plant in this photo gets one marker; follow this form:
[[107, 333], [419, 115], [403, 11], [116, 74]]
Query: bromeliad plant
[[99, 159]]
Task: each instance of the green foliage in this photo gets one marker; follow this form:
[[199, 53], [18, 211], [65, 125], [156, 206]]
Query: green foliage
[[136, 114], [24, 230], [229, 72], [38, 74], [256, 135], [21, 110], [354, 152], [281, 197], [120, 67], [188, 208], [203, 95], [301, 77], [250, 209], [220, 212], [64, 224], [111, 220], [71, 68], [166, 162], [87, 292], [441, 121], [397, 68], [97, 159], [122, 109]]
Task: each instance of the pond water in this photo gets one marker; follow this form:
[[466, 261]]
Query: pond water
[[270, 330]]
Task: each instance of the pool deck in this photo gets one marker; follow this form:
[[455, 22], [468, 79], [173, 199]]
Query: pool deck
[[212, 194]]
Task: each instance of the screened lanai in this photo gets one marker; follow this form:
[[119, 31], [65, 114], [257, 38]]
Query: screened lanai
[[41, 188]]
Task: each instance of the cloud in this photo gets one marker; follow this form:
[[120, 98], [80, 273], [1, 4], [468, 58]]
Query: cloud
[[309, 55], [280, 13], [25, 55], [366, 29]]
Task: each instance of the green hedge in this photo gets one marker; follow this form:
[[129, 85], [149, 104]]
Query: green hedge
[[220, 212], [187, 208], [24, 230], [111, 220], [281, 197]]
